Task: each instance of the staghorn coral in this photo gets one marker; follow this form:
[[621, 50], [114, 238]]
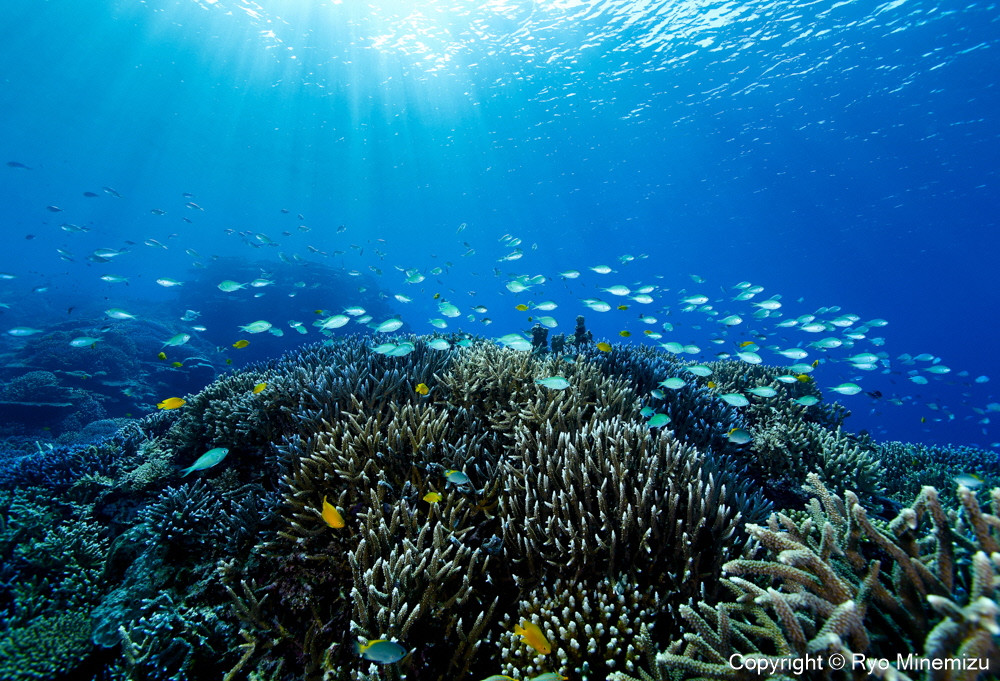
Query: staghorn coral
[[917, 465], [560, 507], [924, 584]]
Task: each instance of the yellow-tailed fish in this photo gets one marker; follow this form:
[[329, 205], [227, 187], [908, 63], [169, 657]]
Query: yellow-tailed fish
[[521, 308], [177, 365], [171, 403], [381, 651], [422, 389], [259, 387], [331, 515], [432, 497], [242, 343], [161, 355], [604, 347], [533, 636]]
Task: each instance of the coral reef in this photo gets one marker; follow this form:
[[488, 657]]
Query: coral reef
[[922, 585], [916, 465], [351, 508]]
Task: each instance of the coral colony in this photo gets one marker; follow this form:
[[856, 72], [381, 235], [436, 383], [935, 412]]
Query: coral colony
[[444, 508]]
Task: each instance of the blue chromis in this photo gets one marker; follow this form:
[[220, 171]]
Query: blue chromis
[[457, 478], [208, 459], [381, 651], [739, 436]]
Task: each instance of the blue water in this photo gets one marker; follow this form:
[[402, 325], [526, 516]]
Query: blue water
[[835, 153]]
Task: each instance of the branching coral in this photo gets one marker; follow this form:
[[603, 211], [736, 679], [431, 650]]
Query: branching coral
[[518, 487], [837, 583]]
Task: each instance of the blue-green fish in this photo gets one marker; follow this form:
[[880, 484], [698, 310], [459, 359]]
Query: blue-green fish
[[658, 421], [553, 382], [207, 460], [381, 651]]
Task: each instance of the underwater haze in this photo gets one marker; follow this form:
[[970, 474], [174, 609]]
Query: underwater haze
[[836, 157], [505, 340]]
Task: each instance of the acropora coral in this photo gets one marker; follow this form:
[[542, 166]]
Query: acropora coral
[[352, 508]]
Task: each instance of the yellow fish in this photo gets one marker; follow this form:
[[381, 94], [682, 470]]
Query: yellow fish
[[624, 333], [162, 355], [177, 365], [432, 497], [171, 403], [803, 378], [229, 361], [815, 363], [331, 515], [712, 384], [647, 332], [422, 389], [521, 308], [259, 387], [746, 343], [623, 307], [604, 347], [242, 343], [533, 636]]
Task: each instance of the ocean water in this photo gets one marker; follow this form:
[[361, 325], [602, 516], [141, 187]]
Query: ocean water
[[840, 155]]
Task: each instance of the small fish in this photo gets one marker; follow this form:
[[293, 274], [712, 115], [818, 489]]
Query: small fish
[[117, 313], [549, 676], [165, 282], [241, 343], [23, 331], [171, 403], [177, 365], [207, 460], [532, 635], [389, 326], [739, 436], [259, 326], [457, 478], [847, 389], [604, 347], [624, 333], [439, 344], [673, 383], [83, 341], [521, 307], [432, 497], [381, 651], [735, 399], [259, 387], [228, 286], [179, 339], [422, 389], [657, 421], [806, 400], [161, 355], [331, 515], [553, 382], [334, 322], [970, 480]]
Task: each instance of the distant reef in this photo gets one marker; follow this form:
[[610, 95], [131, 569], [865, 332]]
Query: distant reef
[[558, 512]]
